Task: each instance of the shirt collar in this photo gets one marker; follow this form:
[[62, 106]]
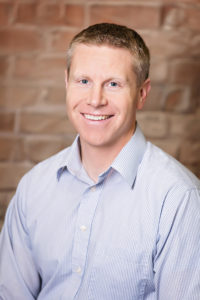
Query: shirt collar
[[72, 163], [129, 158], [126, 163]]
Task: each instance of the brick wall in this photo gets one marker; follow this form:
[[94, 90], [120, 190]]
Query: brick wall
[[33, 39]]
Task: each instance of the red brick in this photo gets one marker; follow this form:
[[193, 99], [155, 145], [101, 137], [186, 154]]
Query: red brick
[[3, 66], [7, 121], [14, 97], [195, 97], [184, 17], [11, 173], [73, 15], [155, 98], [24, 66], [42, 68], [193, 129], [130, 15], [5, 12], [193, 18], [20, 40], [55, 96], [182, 2], [159, 70], [169, 43], [169, 145], [45, 123], [11, 148], [153, 124], [1, 223], [51, 14], [32, 13], [173, 16], [184, 71], [5, 198], [26, 13], [178, 100], [195, 168], [61, 40], [39, 148], [112, 1], [185, 126], [190, 152], [194, 45]]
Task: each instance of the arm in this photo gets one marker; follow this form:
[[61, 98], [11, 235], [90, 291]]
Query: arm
[[18, 276], [177, 261]]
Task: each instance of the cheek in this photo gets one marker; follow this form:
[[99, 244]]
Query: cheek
[[70, 106], [68, 103], [75, 96], [71, 99], [125, 104]]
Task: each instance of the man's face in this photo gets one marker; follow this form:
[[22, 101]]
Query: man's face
[[102, 95]]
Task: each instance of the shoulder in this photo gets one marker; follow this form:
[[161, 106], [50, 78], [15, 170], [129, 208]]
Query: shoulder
[[38, 187], [46, 170], [164, 180], [166, 170], [167, 185]]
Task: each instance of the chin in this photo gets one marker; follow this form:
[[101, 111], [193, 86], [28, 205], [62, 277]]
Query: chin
[[94, 143], [93, 140]]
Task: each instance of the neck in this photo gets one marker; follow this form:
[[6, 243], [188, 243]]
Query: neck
[[96, 160]]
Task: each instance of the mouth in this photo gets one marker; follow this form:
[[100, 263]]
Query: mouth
[[96, 117]]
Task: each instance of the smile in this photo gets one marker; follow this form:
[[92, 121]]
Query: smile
[[96, 118]]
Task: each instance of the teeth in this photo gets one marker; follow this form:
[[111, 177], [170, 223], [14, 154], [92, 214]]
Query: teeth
[[95, 118]]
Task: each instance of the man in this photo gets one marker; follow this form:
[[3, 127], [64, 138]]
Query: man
[[112, 216]]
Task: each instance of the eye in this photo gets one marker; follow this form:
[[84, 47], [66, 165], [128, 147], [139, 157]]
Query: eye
[[84, 81], [113, 84]]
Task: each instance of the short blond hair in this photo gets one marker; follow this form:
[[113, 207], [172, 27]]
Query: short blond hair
[[115, 36]]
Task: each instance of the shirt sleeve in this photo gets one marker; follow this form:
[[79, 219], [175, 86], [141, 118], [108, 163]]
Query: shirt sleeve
[[177, 261], [18, 275]]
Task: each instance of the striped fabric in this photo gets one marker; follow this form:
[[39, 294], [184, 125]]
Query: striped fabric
[[133, 235]]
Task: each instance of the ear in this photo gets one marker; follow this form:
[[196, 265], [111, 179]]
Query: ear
[[66, 78], [143, 92]]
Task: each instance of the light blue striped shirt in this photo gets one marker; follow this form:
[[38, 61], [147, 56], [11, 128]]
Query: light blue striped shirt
[[133, 235]]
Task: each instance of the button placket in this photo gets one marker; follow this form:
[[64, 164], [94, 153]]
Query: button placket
[[82, 234]]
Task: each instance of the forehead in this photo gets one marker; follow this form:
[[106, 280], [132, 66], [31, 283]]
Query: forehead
[[103, 57], [102, 52]]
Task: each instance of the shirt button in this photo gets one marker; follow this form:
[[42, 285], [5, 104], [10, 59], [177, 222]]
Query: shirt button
[[83, 228], [78, 270], [93, 189]]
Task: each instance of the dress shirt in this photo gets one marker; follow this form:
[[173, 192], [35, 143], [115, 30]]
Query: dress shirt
[[133, 235]]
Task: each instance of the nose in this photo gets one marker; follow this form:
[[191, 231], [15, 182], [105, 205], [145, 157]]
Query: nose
[[96, 97]]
